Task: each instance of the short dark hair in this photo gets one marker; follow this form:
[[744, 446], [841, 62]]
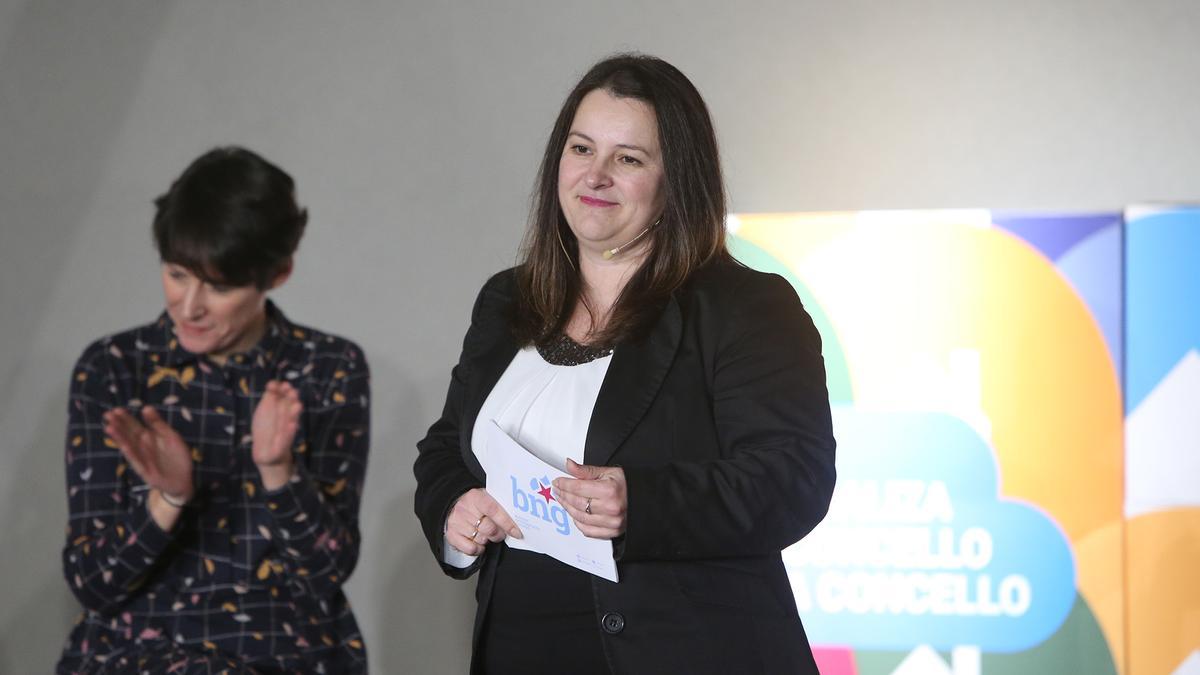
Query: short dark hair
[[230, 218], [692, 230]]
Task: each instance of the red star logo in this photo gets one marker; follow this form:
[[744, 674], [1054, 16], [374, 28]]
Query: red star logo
[[545, 492]]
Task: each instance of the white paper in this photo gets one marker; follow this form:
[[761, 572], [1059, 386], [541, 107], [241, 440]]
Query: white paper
[[521, 483]]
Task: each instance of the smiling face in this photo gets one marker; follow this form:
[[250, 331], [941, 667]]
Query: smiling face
[[212, 319], [610, 175]]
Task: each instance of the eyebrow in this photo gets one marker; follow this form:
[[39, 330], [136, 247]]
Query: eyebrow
[[628, 146]]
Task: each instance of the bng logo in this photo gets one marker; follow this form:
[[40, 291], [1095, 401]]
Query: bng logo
[[540, 503]]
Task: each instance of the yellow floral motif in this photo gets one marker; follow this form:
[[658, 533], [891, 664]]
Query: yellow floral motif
[[336, 488], [161, 373], [264, 570]]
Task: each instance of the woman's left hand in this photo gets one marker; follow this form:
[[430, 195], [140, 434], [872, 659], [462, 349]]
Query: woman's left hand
[[273, 429], [595, 498]]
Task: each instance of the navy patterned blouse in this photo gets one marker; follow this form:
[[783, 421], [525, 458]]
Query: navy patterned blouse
[[247, 577]]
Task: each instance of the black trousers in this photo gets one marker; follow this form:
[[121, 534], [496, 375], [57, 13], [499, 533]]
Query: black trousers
[[541, 619]]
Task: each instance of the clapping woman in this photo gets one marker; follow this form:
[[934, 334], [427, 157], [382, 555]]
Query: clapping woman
[[215, 456]]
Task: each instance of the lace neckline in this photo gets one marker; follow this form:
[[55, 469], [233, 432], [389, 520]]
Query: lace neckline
[[561, 350]]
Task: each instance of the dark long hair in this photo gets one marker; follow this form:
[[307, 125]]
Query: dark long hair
[[692, 231], [231, 218]]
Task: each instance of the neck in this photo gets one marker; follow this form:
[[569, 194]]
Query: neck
[[603, 279], [601, 282]]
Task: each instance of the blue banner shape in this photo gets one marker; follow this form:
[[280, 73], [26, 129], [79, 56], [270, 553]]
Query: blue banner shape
[[918, 548]]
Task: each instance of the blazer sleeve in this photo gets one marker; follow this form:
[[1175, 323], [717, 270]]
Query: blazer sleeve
[[442, 475], [773, 481]]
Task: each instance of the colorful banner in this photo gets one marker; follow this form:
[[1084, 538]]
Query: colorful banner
[[975, 363], [1162, 438]]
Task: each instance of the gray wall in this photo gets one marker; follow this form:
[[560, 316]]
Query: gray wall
[[413, 130]]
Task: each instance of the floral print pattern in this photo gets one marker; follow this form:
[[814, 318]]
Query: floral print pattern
[[248, 580]]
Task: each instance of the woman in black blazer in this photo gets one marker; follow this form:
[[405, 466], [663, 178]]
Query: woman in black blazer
[[685, 392]]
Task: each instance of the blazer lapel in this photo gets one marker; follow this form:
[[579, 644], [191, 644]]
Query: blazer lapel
[[488, 367], [630, 385]]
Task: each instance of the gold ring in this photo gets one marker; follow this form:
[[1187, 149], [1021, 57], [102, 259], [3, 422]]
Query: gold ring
[[476, 525], [588, 509], [474, 534]]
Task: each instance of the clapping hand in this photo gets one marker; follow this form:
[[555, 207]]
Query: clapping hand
[[272, 430], [159, 456]]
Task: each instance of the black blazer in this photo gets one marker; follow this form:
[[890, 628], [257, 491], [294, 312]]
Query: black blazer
[[720, 419]]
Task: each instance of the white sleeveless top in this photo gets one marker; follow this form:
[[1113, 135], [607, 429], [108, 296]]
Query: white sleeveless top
[[544, 407]]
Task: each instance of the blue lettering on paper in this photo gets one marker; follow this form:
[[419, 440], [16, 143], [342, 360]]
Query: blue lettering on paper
[[539, 503]]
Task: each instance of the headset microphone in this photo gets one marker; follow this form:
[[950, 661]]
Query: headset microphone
[[608, 254]]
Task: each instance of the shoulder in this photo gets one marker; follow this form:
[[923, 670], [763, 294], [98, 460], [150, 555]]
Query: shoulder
[[318, 340], [728, 283], [125, 351], [496, 298], [732, 303], [324, 355], [503, 280], [500, 287]]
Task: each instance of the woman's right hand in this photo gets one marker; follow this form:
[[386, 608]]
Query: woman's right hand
[[477, 519], [158, 454]]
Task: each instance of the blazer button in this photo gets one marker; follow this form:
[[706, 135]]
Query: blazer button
[[613, 623]]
